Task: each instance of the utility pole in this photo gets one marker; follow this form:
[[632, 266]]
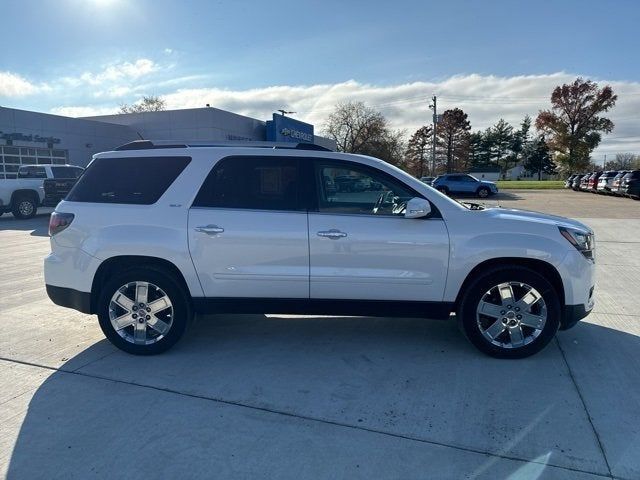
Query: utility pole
[[434, 106]]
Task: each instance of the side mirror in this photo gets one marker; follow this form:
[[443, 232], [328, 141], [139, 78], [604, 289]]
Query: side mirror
[[417, 208]]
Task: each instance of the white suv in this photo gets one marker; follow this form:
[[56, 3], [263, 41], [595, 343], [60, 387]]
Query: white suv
[[153, 233]]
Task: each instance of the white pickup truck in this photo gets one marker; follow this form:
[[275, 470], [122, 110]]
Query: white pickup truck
[[23, 196]]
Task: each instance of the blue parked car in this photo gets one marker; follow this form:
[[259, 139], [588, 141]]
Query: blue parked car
[[464, 183]]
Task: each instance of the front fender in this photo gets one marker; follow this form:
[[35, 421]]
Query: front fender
[[468, 251]]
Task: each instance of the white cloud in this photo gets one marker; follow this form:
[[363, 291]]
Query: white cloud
[[485, 98], [83, 111], [125, 71], [113, 92], [168, 51], [12, 85]]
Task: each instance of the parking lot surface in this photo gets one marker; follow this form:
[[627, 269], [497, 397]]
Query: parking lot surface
[[281, 396]]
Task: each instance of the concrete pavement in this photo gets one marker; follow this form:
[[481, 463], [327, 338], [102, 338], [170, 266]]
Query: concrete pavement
[[249, 396]]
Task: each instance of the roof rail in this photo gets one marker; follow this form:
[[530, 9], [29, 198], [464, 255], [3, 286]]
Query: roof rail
[[155, 144]]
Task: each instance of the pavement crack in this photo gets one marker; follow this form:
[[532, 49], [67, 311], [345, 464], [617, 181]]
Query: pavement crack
[[321, 420], [584, 405]]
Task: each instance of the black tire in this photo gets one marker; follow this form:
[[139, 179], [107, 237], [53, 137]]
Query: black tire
[[182, 311], [468, 320], [24, 207], [483, 192]]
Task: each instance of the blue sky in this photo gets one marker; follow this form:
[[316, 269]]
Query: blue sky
[[89, 56]]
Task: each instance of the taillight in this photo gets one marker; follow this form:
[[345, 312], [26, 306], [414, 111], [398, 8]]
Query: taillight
[[59, 221]]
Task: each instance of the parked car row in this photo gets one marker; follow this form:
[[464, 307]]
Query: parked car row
[[624, 183]]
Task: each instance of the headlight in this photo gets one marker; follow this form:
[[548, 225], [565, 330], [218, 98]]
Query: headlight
[[583, 241]]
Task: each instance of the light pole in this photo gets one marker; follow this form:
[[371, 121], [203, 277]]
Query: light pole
[[434, 107]]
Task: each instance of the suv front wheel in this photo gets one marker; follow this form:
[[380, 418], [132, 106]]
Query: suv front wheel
[[143, 310], [510, 312], [483, 192]]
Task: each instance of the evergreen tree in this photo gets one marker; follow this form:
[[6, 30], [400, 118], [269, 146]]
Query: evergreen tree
[[453, 138], [538, 159], [476, 141], [418, 151], [501, 142], [520, 140]]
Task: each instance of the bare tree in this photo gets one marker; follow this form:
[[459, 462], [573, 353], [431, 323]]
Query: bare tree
[[147, 104], [623, 161], [357, 128]]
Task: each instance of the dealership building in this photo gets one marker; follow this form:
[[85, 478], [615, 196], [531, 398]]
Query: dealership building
[[33, 138]]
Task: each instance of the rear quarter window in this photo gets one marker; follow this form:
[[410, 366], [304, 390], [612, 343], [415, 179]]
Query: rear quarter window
[[66, 172], [129, 180]]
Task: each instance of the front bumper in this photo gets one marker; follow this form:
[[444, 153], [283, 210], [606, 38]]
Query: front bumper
[[578, 274], [571, 315]]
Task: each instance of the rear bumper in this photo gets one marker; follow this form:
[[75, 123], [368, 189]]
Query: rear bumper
[[70, 298]]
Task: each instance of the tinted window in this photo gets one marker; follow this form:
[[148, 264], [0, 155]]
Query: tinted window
[[32, 172], [259, 183], [137, 180], [351, 189], [66, 172]]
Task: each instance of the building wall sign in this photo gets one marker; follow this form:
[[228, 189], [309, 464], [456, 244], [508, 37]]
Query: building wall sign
[[21, 137], [287, 129]]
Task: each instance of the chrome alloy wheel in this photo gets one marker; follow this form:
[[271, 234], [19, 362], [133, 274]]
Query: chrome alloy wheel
[[25, 208], [511, 314], [141, 313]]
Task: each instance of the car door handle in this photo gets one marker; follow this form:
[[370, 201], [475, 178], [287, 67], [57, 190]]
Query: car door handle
[[209, 229], [333, 234]]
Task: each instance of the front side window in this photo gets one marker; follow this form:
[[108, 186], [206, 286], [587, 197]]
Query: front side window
[[351, 189], [128, 180], [254, 183]]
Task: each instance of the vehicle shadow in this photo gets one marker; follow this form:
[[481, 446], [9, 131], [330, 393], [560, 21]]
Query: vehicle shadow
[[502, 195], [38, 225], [236, 395]]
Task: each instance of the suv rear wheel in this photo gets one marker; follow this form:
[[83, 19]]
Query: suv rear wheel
[[510, 312], [24, 207], [143, 310]]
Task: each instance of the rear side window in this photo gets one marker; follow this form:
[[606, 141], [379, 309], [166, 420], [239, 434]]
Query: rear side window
[[32, 172], [66, 172], [256, 183], [134, 180]]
